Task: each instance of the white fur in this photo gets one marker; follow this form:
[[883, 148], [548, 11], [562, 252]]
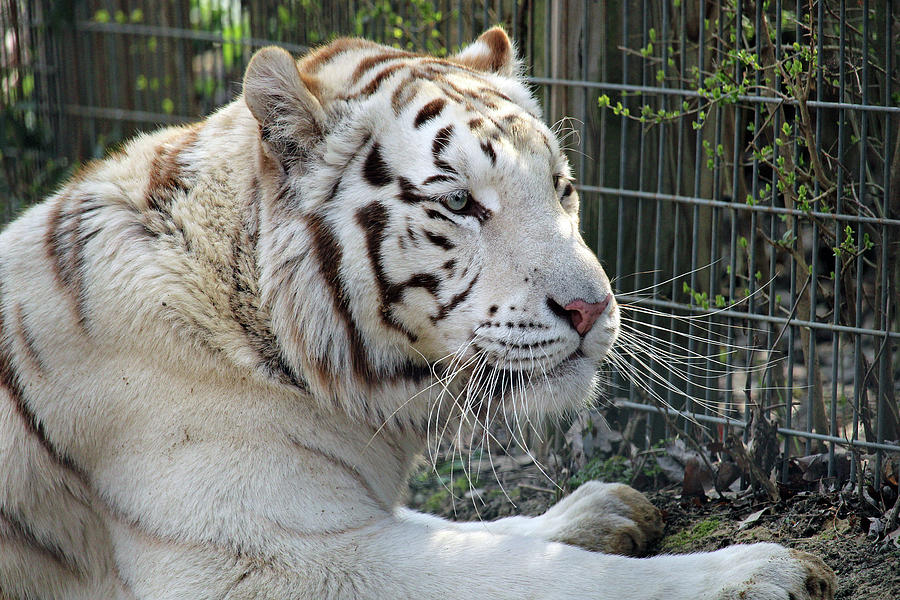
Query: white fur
[[152, 442]]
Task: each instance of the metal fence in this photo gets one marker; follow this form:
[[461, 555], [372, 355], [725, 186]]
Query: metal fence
[[738, 161]]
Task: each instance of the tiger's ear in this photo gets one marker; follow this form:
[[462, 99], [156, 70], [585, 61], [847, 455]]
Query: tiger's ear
[[492, 52], [282, 100]]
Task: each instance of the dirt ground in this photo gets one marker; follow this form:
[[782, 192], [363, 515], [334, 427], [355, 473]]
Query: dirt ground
[[833, 526]]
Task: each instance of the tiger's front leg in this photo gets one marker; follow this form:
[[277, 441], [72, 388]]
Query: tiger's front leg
[[602, 517], [402, 558]]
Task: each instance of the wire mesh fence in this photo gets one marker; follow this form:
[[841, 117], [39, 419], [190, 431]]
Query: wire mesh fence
[[738, 165]]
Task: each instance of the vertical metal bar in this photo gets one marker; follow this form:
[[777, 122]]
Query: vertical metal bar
[[767, 383], [601, 158], [82, 46], [859, 374], [698, 161], [639, 202], [883, 380], [679, 173], [660, 161], [623, 132], [838, 258], [811, 358], [820, 85], [531, 41], [549, 51], [515, 20], [789, 383], [795, 236], [585, 92], [716, 216], [883, 366], [460, 34], [856, 366], [735, 197], [645, 40]]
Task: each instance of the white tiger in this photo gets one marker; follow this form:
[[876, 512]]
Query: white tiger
[[223, 347]]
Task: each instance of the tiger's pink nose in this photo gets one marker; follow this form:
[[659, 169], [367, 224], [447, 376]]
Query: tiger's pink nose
[[584, 314]]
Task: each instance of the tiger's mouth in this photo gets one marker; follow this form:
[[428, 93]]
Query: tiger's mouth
[[526, 367]]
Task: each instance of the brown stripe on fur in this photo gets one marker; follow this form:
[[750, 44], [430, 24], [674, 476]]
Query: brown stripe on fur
[[489, 151], [464, 92], [9, 380], [499, 128], [429, 111], [339, 175], [442, 65], [494, 92], [512, 120], [165, 177], [484, 100], [449, 90], [313, 61], [376, 82], [437, 178], [18, 530], [436, 214], [439, 240], [284, 274], [441, 141], [329, 256], [404, 93], [373, 220], [546, 142], [454, 301], [244, 295], [409, 193], [368, 63], [430, 283], [27, 340], [64, 246], [375, 170], [411, 370]]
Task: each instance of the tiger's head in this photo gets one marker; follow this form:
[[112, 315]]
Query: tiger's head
[[419, 239]]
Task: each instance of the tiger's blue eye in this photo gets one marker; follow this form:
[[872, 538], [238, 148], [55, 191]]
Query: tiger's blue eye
[[457, 201]]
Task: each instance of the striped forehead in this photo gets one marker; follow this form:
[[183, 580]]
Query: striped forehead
[[422, 89]]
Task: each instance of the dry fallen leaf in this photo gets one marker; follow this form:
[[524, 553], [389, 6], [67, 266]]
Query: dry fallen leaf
[[752, 518]]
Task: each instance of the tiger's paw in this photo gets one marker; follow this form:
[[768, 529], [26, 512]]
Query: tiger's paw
[[604, 517], [772, 572]]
